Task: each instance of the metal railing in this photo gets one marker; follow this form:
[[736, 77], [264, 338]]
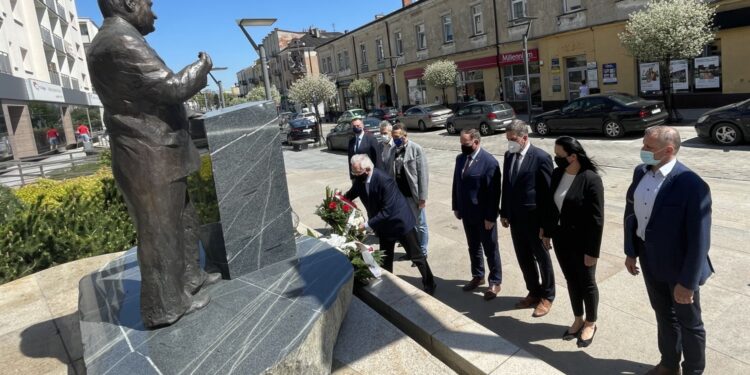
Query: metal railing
[[66, 81], [76, 85], [20, 173], [62, 12], [47, 36], [59, 45], [54, 77]]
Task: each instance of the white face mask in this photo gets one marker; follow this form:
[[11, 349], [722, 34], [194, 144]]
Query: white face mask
[[514, 147]]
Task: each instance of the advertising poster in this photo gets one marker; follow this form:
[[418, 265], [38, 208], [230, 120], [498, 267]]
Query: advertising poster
[[678, 72], [556, 85], [520, 88], [609, 74], [592, 75], [649, 76], [707, 72]]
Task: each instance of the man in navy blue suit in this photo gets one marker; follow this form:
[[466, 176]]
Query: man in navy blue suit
[[668, 226], [476, 201], [527, 170], [389, 215], [363, 143]]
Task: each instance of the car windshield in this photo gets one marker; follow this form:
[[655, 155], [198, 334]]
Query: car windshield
[[357, 112], [300, 123], [372, 122], [625, 98], [500, 107], [433, 108]]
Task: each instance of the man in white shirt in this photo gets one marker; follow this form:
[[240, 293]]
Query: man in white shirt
[[668, 226], [583, 90]]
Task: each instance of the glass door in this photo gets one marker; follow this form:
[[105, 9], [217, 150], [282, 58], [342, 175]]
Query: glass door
[[576, 72]]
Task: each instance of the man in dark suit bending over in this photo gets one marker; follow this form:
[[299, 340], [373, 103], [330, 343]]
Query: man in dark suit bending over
[[389, 215]]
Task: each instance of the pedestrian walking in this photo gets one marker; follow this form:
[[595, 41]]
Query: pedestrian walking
[[53, 138], [83, 133], [583, 90], [475, 201], [668, 229], [573, 218], [527, 170]]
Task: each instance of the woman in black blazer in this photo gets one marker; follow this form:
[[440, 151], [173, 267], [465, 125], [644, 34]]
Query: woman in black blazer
[[573, 218]]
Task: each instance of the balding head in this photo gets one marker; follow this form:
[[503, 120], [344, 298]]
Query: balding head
[[666, 136], [137, 12]]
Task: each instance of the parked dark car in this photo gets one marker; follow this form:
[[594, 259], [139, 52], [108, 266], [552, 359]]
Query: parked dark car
[[613, 114], [728, 125], [487, 117], [338, 138], [425, 116], [300, 129], [389, 114]]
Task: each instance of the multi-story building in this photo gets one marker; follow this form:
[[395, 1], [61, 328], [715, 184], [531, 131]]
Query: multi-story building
[[44, 78], [88, 29], [290, 55], [568, 41]]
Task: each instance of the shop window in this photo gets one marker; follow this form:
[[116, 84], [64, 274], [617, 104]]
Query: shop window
[[515, 87], [447, 29], [518, 9], [702, 73], [417, 91], [421, 37], [45, 116], [571, 5], [470, 86], [477, 21]]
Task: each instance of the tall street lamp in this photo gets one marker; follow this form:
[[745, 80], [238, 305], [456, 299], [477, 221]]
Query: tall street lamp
[[393, 75], [242, 23], [218, 83], [526, 63]]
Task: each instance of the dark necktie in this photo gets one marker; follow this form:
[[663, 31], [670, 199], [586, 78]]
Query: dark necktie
[[466, 167]]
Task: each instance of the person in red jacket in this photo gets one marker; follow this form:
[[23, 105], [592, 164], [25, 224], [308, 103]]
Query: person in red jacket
[[83, 133], [53, 138]]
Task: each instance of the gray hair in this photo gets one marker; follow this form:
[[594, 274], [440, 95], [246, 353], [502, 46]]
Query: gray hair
[[472, 133], [363, 160], [385, 125], [666, 135], [518, 127]]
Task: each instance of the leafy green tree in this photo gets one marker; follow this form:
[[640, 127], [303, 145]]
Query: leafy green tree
[[361, 88]]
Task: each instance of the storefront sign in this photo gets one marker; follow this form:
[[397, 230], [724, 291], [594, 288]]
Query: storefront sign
[[609, 74], [592, 75], [517, 57], [707, 72], [678, 72], [649, 76], [45, 92]]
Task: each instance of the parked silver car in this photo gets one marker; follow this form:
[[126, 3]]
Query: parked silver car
[[487, 117], [425, 116]]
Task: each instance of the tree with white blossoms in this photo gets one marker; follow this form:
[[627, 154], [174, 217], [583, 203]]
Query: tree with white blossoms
[[361, 88], [313, 90], [666, 30], [259, 93], [441, 74]]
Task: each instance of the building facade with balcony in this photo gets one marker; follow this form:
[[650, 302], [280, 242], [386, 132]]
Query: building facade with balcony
[[44, 79], [568, 41]]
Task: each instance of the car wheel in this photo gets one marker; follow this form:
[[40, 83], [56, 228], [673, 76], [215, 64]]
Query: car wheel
[[422, 126], [289, 139], [485, 129], [613, 129], [450, 128], [329, 144], [541, 128], [726, 134]]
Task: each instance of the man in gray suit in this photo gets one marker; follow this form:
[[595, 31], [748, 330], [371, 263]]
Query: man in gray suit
[[407, 164], [152, 155]]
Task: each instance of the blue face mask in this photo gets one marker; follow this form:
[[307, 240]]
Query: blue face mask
[[648, 158], [398, 141]]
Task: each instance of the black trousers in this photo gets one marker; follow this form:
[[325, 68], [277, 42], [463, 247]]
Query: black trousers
[[533, 259], [680, 327], [410, 242], [581, 280]]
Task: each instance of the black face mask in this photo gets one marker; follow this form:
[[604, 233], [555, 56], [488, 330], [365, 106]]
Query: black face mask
[[562, 162], [467, 150], [361, 178]]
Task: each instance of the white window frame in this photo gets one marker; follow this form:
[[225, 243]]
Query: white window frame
[[447, 22], [363, 54], [399, 43], [379, 50], [572, 5], [421, 33], [477, 19], [513, 9]]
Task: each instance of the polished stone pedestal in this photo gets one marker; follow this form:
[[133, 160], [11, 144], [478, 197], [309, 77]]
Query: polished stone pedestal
[[282, 319]]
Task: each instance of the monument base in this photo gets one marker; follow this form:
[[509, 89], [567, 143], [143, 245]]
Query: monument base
[[281, 319]]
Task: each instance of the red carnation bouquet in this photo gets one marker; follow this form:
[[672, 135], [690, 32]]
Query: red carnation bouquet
[[341, 215]]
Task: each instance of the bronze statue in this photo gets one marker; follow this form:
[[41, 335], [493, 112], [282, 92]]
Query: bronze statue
[[152, 155]]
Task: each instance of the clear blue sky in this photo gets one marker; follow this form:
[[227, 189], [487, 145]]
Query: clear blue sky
[[185, 27]]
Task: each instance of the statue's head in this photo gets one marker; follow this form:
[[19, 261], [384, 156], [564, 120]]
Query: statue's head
[[137, 12]]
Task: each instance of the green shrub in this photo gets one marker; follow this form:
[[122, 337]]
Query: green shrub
[[9, 204], [64, 221], [203, 192]]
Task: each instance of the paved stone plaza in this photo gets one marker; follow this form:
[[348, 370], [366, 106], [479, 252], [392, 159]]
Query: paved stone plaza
[[626, 339]]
